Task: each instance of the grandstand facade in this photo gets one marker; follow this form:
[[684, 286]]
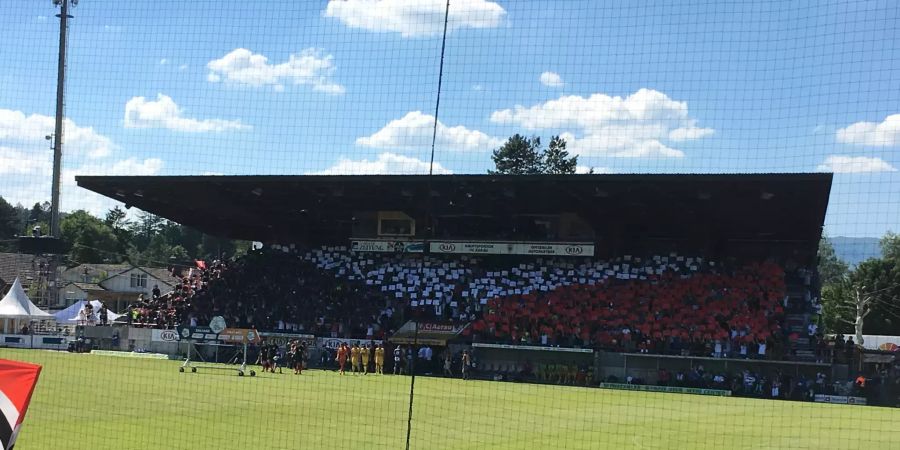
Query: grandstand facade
[[715, 216]]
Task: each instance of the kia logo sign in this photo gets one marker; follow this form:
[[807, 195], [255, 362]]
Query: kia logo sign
[[574, 250], [447, 247], [168, 335]]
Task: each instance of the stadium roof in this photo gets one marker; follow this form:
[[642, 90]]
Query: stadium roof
[[774, 207]]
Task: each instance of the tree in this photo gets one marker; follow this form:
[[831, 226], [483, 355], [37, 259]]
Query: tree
[[557, 159], [144, 229], [831, 268], [88, 239], [890, 246], [518, 156], [9, 220], [40, 213], [866, 301], [525, 156]]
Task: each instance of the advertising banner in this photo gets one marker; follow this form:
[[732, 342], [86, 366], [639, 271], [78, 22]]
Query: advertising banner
[[840, 399], [200, 335], [512, 248], [239, 336], [333, 343], [387, 246], [282, 339], [164, 336]]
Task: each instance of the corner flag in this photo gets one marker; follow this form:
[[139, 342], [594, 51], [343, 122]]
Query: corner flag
[[17, 381]]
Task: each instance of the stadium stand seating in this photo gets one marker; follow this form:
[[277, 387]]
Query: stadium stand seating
[[671, 304]]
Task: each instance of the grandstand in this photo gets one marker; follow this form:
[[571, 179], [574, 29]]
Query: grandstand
[[605, 262]]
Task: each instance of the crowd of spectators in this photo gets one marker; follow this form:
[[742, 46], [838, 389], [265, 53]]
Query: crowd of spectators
[[735, 313], [661, 304]]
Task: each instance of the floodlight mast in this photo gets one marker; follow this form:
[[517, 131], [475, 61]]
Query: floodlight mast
[[60, 95]]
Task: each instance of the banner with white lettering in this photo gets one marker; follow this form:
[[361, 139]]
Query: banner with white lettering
[[334, 343], [387, 246], [164, 335], [512, 248]]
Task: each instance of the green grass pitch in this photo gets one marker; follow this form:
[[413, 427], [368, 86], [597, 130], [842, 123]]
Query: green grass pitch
[[87, 401]]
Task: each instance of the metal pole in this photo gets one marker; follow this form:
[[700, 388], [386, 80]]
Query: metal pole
[[58, 132]]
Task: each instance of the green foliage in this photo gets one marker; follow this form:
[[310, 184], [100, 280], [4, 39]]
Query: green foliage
[[521, 155], [831, 268], [871, 289], [9, 220], [557, 159], [88, 239], [890, 246]]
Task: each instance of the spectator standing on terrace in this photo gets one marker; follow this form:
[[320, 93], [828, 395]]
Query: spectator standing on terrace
[[398, 356], [104, 315], [156, 293], [812, 329], [465, 365], [448, 360]]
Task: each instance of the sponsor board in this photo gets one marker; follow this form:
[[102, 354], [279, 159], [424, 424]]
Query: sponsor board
[[387, 246], [531, 347], [510, 248], [164, 335], [239, 336], [282, 339], [840, 399], [440, 328], [334, 343], [670, 389], [199, 335]]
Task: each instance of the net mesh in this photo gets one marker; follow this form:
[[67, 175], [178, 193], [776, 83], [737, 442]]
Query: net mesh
[[351, 87]]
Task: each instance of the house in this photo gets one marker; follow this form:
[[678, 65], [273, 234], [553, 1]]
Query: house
[[116, 285], [32, 271]]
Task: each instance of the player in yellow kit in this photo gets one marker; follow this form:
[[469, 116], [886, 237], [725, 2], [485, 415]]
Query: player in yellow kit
[[379, 360], [364, 359], [356, 358]]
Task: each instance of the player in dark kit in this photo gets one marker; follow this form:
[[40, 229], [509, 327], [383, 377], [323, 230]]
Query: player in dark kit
[[275, 358], [263, 359], [298, 357]]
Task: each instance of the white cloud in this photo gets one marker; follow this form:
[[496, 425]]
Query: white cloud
[[551, 79], [163, 61], [165, 113], [183, 67], [689, 133], [601, 125], [855, 164], [477, 87], [413, 132], [415, 18], [310, 67], [26, 162], [884, 134], [386, 164], [593, 170], [78, 141]]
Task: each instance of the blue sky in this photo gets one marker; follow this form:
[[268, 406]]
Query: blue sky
[[266, 87]]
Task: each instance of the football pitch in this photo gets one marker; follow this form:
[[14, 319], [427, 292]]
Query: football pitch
[[85, 401]]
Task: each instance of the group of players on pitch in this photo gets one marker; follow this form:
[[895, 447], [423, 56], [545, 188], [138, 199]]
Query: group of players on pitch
[[360, 356], [297, 357]]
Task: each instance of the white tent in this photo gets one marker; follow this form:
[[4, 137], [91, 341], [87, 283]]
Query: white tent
[[16, 306], [74, 314]]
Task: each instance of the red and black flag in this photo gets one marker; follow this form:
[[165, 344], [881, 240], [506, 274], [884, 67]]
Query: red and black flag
[[17, 380]]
